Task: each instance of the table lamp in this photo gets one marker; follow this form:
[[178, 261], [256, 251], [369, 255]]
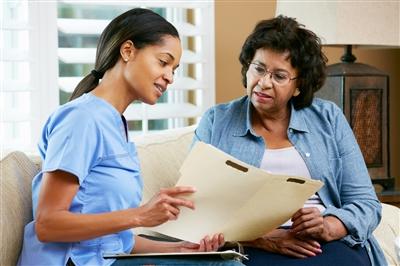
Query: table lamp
[[361, 90]]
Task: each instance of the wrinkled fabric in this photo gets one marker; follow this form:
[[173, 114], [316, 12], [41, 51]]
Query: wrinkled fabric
[[86, 137], [324, 139]]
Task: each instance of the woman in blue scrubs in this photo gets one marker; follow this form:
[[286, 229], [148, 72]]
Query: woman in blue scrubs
[[86, 198]]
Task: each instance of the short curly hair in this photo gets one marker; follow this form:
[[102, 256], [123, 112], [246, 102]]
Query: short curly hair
[[284, 34]]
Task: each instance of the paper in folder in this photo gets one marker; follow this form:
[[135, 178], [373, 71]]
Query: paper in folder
[[241, 201]]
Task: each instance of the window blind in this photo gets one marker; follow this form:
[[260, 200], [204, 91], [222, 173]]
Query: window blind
[[28, 70], [48, 46], [193, 88]]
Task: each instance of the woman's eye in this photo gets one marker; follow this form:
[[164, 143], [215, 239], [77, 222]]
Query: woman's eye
[[259, 70], [163, 63], [280, 76]]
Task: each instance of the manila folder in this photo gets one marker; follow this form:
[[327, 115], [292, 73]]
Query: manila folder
[[239, 200]]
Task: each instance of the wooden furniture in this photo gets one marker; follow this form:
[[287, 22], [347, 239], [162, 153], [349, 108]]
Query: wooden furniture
[[362, 92], [391, 197]]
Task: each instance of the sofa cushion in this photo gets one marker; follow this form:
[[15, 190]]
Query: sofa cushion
[[17, 171], [387, 231], [161, 156]]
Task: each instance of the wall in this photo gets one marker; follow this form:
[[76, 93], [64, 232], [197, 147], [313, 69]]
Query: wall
[[234, 20]]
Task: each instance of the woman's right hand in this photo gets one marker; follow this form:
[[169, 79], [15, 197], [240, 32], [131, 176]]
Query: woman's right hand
[[286, 243], [164, 206]]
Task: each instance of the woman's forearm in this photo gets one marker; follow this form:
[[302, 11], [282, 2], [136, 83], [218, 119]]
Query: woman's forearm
[[65, 226], [144, 245]]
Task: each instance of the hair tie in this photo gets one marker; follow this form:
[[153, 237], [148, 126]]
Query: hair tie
[[97, 74]]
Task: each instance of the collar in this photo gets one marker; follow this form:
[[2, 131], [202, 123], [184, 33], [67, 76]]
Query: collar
[[297, 121], [243, 123]]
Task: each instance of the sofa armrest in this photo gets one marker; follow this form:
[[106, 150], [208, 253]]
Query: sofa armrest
[[17, 171], [387, 231]]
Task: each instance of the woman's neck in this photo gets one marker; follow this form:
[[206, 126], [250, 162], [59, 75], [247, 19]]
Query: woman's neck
[[113, 90], [271, 121]]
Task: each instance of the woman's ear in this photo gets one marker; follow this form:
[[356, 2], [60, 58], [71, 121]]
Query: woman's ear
[[296, 92], [127, 50]]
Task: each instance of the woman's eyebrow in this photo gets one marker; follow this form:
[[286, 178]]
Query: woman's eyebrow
[[171, 57], [169, 54]]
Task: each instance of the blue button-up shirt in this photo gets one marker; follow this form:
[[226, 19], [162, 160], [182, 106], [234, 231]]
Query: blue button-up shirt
[[324, 139]]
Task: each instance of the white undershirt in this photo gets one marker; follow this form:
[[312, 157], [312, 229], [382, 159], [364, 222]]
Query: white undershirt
[[287, 161]]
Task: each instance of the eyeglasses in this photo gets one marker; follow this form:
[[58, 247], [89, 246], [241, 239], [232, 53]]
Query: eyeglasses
[[280, 78]]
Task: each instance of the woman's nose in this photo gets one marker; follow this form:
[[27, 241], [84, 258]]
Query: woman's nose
[[265, 82], [169, 77]]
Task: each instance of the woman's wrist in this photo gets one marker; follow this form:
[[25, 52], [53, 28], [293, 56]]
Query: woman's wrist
[[334, 229], [267, 241]]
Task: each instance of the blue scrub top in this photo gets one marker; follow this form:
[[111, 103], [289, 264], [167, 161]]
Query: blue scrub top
[[86, 137]]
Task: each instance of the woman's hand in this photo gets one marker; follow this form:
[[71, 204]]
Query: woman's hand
[[309, 223], [205, 245], [284, 242], [164, 206]]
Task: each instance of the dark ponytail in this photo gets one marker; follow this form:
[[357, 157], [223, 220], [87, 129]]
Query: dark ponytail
[[142, 26]]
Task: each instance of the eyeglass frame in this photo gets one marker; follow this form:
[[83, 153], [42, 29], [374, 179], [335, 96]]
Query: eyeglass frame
[[271, 73]]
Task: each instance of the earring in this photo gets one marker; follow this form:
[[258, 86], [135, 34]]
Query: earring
[[126, 59], [296, 92]]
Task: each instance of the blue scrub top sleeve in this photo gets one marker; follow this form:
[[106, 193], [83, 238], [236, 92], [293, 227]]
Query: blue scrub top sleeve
[[73, 143]]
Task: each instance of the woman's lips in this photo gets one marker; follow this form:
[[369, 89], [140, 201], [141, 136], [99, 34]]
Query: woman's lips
[[262, 95]]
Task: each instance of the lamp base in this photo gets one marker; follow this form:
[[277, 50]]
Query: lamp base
[[348, 56]]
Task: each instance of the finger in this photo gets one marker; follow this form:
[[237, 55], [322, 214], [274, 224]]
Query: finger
[[173, 191], [208, 243], [304, 211], [221, 239], [306, 250], [294, 253], [310, 245], [215, 242], [316, 230], [307, 217], [202, 246], [173, 210], [315, 224], [176, 202]]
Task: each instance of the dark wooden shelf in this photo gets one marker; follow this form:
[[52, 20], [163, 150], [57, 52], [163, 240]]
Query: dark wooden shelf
[[390, 197]]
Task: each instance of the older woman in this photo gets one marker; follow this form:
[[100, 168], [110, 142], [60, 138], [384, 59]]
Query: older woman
[[280, 127]]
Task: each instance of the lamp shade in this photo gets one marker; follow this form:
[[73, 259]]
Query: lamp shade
[[373, 23]]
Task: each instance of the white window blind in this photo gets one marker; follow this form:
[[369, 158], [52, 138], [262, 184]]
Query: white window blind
[[48, 46], [28, 68], [79, 26]]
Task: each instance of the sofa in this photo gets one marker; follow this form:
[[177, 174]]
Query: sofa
[[161, 155]]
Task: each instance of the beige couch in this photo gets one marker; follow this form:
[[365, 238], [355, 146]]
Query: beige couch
[[161, 156]]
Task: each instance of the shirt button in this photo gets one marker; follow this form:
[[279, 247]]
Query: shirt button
[[290, 130], [308, 154]]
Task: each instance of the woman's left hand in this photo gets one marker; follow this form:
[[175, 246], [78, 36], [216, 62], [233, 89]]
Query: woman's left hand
[[309, 223], [206, 244]]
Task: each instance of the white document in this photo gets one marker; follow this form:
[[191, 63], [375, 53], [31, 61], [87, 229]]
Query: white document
[[241, 201], [227, 255]]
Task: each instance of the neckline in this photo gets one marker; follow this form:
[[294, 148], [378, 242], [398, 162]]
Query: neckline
[[281, 149]]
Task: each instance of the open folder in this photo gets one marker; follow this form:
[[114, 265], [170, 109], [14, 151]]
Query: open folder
[[241, 201]]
